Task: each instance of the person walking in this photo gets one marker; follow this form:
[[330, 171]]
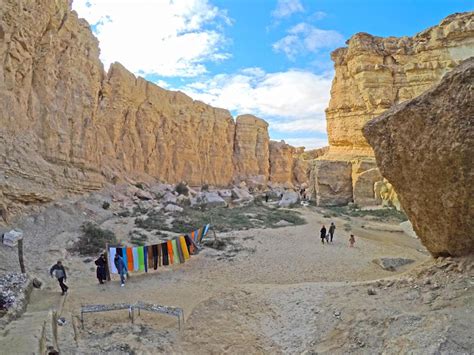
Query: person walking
[[332, 229], [121, 268], [60, 273], [101, 272], [323, 233], [352, 240]]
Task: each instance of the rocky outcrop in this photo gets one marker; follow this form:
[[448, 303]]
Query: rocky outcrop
[[374, 73], [67, 126], [425, 148], [281, 162], [251, 150]]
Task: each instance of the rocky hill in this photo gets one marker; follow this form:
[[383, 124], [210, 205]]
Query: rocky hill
[[371, 75], [66, 125]]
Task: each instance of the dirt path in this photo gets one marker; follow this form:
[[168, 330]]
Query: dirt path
[[231, 297]]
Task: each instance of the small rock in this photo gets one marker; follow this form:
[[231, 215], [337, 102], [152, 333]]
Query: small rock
[[371, 292], [37, 283], [173, 208], [337, 314], [87, 260]]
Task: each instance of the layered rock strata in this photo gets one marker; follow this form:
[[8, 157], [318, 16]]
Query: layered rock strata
[[425, 148], [374, 73], [68, 126]]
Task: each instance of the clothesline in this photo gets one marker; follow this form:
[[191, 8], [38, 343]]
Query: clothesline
[[174, 251]]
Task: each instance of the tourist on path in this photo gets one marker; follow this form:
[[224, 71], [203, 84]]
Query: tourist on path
[[352, 240], [101, 268], [332, 229], [60, 274], [323, 233], [121, 268]]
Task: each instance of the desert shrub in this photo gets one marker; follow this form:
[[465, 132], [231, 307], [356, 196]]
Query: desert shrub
[[106, 205], [124, 213], [138, 238], [139, 185], [205, 187], [93, 239], [182, 188]]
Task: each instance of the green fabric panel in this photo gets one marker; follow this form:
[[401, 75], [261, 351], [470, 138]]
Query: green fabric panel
[[141, 259]]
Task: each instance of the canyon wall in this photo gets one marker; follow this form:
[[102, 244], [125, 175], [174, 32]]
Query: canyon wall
[[371, 75], [68, 126], [425, 148]]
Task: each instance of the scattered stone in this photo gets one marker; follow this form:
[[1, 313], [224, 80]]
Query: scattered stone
[[371, 292], [37, 283], [282, 223], [143, 195], [392, 264], [62, 321], [169, 198], [208, 199], [87, 260], [173, 208]]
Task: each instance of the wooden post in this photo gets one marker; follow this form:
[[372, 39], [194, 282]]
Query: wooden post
[[20, 256], [107, 271]]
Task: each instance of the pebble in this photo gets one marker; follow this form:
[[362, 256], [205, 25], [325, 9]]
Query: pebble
[[371, 292]]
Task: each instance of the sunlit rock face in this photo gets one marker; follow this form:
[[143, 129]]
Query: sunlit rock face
[[371, 75], [374, 73], [425, 148], [67, 126]]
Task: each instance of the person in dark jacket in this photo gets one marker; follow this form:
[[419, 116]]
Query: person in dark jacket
[[332, 229], [60, 274], [101, 268], [121, 268], [323, 234]]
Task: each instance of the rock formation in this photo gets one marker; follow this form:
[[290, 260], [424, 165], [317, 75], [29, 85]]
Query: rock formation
[[374, 73], [251, 148], [425, 148], [68, 126]]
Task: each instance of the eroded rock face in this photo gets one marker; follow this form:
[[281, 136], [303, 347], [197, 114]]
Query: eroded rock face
[[67, 126], [251, 151], [374, 73], [425, 148], [281, 162]]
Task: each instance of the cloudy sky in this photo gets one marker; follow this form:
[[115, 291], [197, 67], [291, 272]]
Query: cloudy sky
[[265, 57]]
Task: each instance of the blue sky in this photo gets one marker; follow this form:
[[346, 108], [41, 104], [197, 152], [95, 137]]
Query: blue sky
[[270, 58]]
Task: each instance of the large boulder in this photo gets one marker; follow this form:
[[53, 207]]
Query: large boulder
[[241, 195], [425, 148], [208, 199], [289, 198], [332, 182]]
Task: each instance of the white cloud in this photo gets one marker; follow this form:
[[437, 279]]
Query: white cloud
[[304, 38], [308, 142], [168, 38], [318, 15], [286, 8], [291, 101]]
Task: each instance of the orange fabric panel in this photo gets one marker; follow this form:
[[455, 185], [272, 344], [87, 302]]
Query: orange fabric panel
[[130, 259], [170, 251]]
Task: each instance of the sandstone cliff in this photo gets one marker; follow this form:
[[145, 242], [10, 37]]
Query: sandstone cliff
[[371, 75], [425, 148], [68, 126], [374, 73]]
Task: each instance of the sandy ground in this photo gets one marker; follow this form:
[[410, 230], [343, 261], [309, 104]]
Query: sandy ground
[[271, 291]]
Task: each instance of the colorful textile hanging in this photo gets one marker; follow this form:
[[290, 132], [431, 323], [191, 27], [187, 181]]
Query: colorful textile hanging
[[129, 259], [141, 259], [170, 252], [135, 258], [174, 251], [184, 247]]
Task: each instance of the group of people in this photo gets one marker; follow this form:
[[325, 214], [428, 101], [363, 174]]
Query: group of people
[[328, 236], [59, 272]]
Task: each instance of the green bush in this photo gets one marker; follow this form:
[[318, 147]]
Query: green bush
[[106, 205], [182, 189], [93, 239]]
